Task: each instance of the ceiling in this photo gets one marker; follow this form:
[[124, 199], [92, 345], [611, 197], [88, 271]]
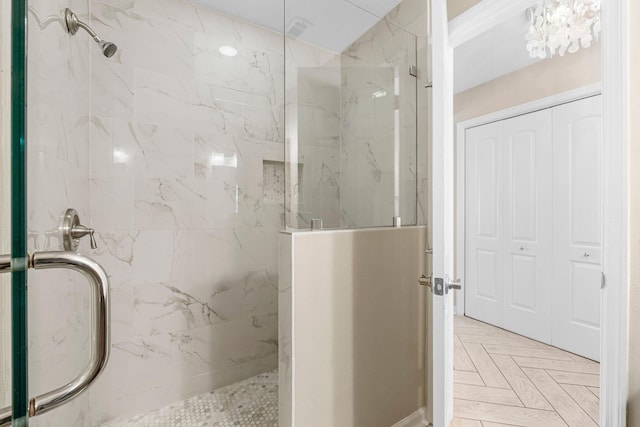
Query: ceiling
[[336, 24], [331, 24], [493, 54]]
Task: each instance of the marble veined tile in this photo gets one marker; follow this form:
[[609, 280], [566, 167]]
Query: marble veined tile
[[144, 42]]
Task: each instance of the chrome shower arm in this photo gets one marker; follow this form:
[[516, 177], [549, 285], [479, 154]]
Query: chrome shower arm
[[89, 30], [72, 24]]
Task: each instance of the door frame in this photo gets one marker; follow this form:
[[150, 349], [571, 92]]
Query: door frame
[[615, 260], [461, 132]]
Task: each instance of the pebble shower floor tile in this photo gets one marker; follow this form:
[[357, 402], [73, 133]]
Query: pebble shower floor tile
[[252, 402]]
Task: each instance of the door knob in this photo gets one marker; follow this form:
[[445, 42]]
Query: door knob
[[72, 231], [425, 281], [454, 284]]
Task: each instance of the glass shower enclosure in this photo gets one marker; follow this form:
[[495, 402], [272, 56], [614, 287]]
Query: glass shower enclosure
[[351, 116], [161, 146]]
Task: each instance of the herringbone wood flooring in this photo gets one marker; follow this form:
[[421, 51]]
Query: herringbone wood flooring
[[502, 379]]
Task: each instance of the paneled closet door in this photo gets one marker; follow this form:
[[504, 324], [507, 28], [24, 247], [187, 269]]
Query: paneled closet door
[[578, 185], [484, 218], [528, 224]]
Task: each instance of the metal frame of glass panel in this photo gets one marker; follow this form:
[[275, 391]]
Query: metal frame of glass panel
[[19, 262]]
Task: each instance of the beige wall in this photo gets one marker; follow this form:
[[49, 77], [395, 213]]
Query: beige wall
[[634, 226], [537, 81], [352, 327], [456, 7]]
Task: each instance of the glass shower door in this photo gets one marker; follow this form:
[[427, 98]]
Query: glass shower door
[[170, 184], [18, 257], [44, 140]]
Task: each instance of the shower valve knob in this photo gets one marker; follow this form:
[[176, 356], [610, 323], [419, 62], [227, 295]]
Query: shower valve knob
[[79, 231], [72, 231]]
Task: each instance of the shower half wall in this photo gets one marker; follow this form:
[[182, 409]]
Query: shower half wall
[[353, 319]]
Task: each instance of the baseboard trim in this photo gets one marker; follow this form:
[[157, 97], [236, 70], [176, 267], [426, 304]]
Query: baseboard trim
[[417, 419]]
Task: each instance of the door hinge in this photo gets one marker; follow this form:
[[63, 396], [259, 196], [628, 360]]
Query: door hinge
[[413, 71], [602, 280]]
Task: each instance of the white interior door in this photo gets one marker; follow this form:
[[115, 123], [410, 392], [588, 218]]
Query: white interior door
[[528, 227], [442, 215], [578, 187], [484, 224], [508, 202]]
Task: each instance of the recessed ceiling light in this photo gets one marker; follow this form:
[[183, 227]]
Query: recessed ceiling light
[[228, 51]]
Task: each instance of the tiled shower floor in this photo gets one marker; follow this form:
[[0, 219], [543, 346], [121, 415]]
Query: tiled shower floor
[[252, 402]]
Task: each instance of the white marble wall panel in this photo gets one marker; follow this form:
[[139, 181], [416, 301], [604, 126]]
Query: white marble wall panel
[[179, 134], [319, 145], [377, 107], [285, 329], [58, 178], [379, 127], [313, 134]]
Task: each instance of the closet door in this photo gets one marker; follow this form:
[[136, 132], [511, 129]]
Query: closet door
[[528, 224], [484, 219], [577, 133]]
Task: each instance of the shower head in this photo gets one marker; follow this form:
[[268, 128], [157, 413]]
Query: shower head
[[108, 49], [72, 24]]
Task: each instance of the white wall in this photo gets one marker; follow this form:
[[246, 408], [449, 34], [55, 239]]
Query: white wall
[[634, 216]]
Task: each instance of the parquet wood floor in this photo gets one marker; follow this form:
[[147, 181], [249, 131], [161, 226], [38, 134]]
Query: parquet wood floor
[[502, 379]]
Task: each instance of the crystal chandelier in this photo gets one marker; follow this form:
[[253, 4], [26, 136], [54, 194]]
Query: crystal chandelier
[[561, 26]]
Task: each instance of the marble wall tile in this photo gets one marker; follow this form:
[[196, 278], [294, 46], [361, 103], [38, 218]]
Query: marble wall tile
[[379, 119], [58, 168], [183, 358], [112, 90], [145, 42], [253, 70], [285, 329], [179, 137], [377, 106], [59, 339], [313, 134]]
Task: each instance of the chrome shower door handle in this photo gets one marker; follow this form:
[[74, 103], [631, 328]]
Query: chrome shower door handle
[[100, 340]]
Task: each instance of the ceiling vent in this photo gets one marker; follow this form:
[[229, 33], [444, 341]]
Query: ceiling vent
[[297, 26]]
